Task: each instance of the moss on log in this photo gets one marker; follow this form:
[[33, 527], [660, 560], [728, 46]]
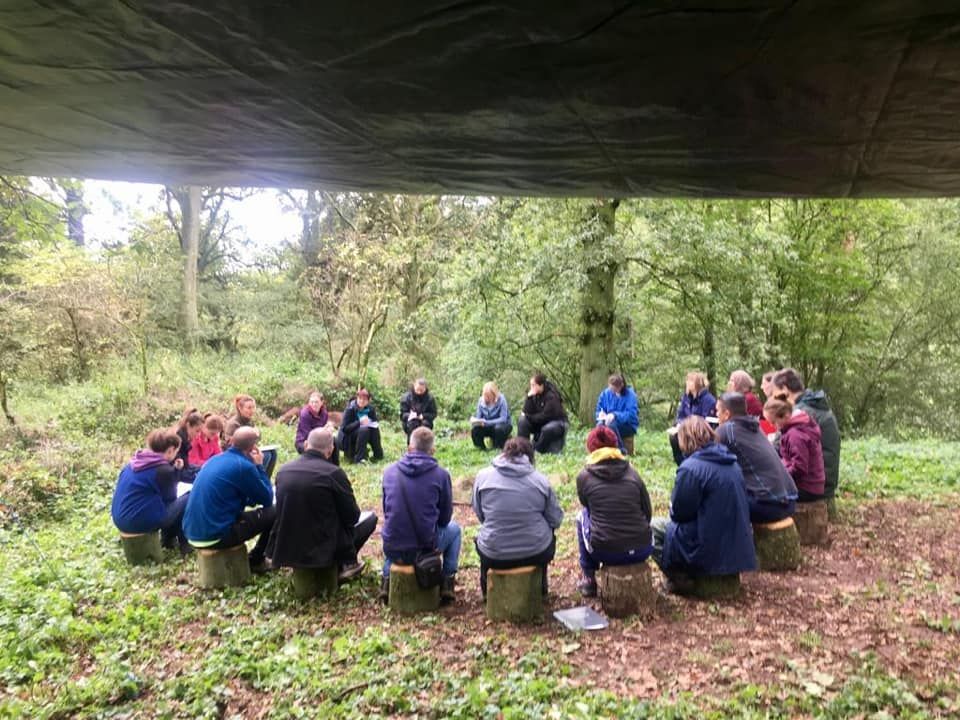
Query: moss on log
[[223, 568], [314, 582], [627, 590], [715, 587], [812, 520], [777, 545], [141, 548], [406, 596], [515, 594]]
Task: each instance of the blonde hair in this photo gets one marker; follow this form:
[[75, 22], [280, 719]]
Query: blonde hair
[[741, 381], [778, 408], [490, 388], [694, 434], [699, 380]]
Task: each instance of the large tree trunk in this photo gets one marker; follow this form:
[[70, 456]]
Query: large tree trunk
[[3, 399], [190, 201], [73, 190], [597, 306]]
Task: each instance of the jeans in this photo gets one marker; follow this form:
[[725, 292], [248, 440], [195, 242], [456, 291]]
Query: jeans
[[171, 527], [769, 511], [250, 524], [540, 560], [658, 527], [612, 424], [549, 438], [497, 433], [591, 559], [448, 542], [269, 462], [356, 442]]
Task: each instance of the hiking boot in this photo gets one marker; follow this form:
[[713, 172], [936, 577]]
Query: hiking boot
[[384, 594], [448, 589], [348, 571], [587, 586]]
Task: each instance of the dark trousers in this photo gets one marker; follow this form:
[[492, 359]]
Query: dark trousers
[[356, 444], [675, 447], [540, 560], [250, 524], [769, 511], [269, 462], [497, 433], [591, 559], [171, 528], [361, 533], [410, 425], [805, 497], [548, 438]]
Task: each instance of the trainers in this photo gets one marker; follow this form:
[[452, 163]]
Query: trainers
[[350, 570], [384, 594], [587, 586], [448, 589]]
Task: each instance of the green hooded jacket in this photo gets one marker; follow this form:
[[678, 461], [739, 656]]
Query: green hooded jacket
[[816, 405]]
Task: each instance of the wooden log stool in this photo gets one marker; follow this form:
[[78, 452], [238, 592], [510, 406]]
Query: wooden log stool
[[777, 545], [812, 522], [628, 444], [141, 548], [515, 594], [406, 596], [223, 568], [315, 582], [627, 590], [833, 515], [716, 587]]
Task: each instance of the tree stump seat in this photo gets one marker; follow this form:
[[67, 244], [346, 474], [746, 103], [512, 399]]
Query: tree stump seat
[[141, 548], [315, 582], [515, 594], [705, 587], [777, 545], [812, 520], [628, 444], [627, 590], [223, 568], [406, 596]]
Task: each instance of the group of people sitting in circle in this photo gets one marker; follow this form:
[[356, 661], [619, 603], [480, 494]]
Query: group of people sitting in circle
[[735, 468]]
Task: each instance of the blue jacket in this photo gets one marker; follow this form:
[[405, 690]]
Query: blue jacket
[[431, 503], [624, 406], [710, 532], [140, 498], [496, 414], [704, 405], [225, 485]]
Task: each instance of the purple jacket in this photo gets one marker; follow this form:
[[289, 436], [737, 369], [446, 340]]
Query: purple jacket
[[309, 421], [431, 503], [802, 453]]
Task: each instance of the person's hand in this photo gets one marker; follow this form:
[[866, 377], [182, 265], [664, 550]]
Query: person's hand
[[530, 393], [365, 420], [412, 415], [178, 463], [256, 456]]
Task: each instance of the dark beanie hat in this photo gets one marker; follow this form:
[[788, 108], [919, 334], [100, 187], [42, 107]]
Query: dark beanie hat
[[601, 436]]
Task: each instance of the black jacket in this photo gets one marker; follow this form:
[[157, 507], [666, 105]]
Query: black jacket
[[548, 405], [351, 421], [765, 477], [316, 512], [619, 506], [421, 404]]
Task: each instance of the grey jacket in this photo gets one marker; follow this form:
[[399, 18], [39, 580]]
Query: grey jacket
[[517, 507], [766, 479]]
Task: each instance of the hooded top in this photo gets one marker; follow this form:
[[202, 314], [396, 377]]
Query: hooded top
[[316, 512], [623, 406], [704, 405], [618, 503], [309, 421], [816, 405], [421, 404], [145, 485], [801, 452], [202, 449], [430, 506], [517, 507], [710, 532], [496, 414], [545, 407], [765, 477]]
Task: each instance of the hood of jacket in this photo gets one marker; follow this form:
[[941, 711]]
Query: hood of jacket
[[817, 400], [607, 470], [715, 453], [748, 423], [416, 463], [516, 467], [143, 459], [800, 419]]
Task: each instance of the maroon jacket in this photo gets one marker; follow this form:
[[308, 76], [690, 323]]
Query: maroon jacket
[[754, 406], [802, 453]]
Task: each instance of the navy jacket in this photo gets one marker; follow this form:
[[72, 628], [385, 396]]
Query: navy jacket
[[431, 503], [704, 405], [710, 532]]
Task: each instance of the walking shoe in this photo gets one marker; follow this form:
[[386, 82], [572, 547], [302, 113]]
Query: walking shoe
[[587, 586], [384, 594], [448, 589], [348, 571]]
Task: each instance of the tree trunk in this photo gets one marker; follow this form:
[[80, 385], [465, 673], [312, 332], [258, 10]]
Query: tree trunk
[[4, 380], [710, 355], [190, 202], [597, 306], [75, 208]]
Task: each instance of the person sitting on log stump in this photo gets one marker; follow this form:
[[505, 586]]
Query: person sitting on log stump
[[800, 448], [360, 429], [417, 408], [771, 492], [617, 409], [215, 518], [708, 532], [543, 416], [318, 523], [816, 405], [613, 528], [145, 499], [492, 419], [418, 513], [314, 415], [519, 512]]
